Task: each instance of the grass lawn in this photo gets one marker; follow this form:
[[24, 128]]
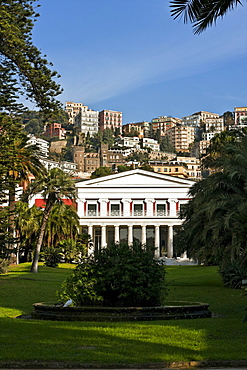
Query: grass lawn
[[222, 337]]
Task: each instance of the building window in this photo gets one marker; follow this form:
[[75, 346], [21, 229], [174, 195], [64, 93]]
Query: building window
[[161, 209], [92, 209], [115, 210], [138, 210]]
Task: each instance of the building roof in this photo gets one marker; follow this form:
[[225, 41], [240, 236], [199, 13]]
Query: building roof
[[136, 179]]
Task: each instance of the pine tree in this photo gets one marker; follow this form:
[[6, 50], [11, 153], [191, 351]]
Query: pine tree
[[23, 69]]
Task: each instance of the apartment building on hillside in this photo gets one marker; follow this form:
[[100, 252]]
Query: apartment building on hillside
[[181, 137], [151, 144], [198, 118], [87, 121], [54, 130], [240, 115], [72, 109], [89, 162], [110, 119], [42, 144], [164, 123]]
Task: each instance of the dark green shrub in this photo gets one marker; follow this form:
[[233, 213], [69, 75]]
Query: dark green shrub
[[81, 286], [118, 276], [233, 272], [52, 256]]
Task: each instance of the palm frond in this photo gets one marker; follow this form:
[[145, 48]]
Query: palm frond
[[201, 13]]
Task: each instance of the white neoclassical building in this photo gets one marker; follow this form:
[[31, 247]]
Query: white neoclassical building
[[135, 205]]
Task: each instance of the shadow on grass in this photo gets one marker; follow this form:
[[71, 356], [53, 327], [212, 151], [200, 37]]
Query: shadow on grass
[[101, 343]]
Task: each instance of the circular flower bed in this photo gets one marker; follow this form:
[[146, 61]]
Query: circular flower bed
[[173, 310]]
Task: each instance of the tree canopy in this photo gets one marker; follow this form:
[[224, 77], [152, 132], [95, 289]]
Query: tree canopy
[[216, 216], [54, 187], [23, 69]]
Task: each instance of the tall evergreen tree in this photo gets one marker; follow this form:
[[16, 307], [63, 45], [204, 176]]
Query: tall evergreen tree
[[23, 69]]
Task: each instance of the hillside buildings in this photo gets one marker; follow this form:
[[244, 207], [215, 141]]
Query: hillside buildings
[[140, 129], [181, 137], [89, 162], [42, 144], [72, 109], [240, 115], [164, 123], [54, 130], [87, 121], [110, 119]]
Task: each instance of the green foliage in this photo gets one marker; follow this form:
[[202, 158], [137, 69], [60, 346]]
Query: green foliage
[[54, 187], [147, 167], [123, 168], [101, 171], [139, 157], [73, 250], [4, 266], [81, 286], [233, 272], [23, 70], [215, 218], [119, 275], [108, 137], [52, 256], [166, 145]]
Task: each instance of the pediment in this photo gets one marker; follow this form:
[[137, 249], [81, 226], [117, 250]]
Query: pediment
[[136, 178]]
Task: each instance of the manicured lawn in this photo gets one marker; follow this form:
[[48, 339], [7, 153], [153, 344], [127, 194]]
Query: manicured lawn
[[222, 337]]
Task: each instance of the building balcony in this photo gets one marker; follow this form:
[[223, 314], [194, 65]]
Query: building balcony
[[133, 214]]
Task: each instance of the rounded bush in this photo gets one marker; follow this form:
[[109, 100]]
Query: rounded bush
[[118, 275]]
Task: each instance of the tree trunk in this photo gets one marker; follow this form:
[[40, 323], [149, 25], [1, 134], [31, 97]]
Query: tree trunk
[[47, 211], [11, 224]]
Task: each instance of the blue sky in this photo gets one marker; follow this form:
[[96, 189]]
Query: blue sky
[[131, 56]]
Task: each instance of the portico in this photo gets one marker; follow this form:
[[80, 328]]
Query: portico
[[132, 206]]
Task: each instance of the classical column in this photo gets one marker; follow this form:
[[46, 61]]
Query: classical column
[[91, 243], [90, 231], [144, 235], [81, 207], [117, 236], [150, 203], [103, 237], [103, 207], [157, 241], [130, 235], [126, 207], [173, 210], [170, 242]]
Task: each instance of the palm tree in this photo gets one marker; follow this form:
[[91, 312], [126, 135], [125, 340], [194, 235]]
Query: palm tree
[[18, 162], [27, 225], [54, 187], [63, 223], [201, 13], [215, 218]]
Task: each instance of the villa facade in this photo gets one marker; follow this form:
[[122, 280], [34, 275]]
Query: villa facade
[[135, 205]]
